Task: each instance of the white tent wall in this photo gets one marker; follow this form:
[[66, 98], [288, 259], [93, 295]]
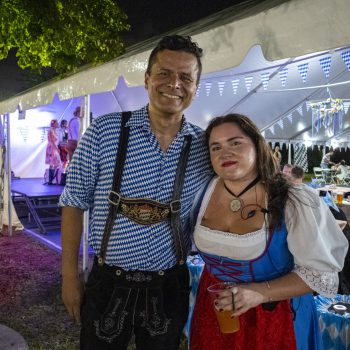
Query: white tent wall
[[230, 41]]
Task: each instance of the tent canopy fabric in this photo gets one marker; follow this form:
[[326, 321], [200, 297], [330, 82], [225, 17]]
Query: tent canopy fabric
[[282, 28], [266, 59]]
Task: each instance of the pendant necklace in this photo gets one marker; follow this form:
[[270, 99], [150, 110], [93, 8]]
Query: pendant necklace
[[236, 203]]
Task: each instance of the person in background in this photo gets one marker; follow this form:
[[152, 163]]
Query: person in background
[[278, 242], [139, 281], [297, 174], [278, 156], [326, 160], [342, 171], [62, 141], [287, 170], [52, 157], [73, 133]]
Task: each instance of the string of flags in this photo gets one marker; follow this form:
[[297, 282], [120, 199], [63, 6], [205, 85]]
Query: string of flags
[[264, 77]]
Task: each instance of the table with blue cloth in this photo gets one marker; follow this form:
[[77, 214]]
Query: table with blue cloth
[[335, 327], [195, 265]]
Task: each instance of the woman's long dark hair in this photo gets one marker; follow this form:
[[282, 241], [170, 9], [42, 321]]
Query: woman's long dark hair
[[276, 185]]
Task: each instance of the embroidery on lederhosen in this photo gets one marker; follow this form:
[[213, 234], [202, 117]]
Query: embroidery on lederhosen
[[111, 323], [154, 318]]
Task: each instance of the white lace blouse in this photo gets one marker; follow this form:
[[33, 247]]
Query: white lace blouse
[[314, 238]]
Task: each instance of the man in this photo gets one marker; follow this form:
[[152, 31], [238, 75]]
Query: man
[[287, 170], [326, 160], [297, 174], [139, 282], [73, 133]]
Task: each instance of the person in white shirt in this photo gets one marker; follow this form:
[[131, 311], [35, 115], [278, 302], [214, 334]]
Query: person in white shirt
[[342, 171], [73, 133]]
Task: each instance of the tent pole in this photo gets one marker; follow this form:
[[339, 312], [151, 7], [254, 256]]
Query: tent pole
[[86, 123], [289, 153], [8, 162]]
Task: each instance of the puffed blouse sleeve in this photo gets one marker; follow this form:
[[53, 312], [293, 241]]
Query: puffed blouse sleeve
[[315, 240]]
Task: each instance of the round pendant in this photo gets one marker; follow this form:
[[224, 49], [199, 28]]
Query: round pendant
[[235, 204]]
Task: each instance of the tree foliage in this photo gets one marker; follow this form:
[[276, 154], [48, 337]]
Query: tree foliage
[[61, 34]]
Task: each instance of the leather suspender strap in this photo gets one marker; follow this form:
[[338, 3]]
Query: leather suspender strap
[[175, 204], [114, 197]]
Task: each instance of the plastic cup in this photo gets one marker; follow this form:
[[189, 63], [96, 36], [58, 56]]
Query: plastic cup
[[340, 197], [226, 323]]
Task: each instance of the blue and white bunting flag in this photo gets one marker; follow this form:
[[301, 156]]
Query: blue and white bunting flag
[[265, 77], [248, 83], [235, 84], [221, 85], [198, 88], [208, 87], [283, 76], [325, 63], [303, 70], [346, 58]]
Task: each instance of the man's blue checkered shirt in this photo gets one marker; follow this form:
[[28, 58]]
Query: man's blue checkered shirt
[[148, 173]]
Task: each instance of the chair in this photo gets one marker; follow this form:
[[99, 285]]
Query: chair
[[318, 173]]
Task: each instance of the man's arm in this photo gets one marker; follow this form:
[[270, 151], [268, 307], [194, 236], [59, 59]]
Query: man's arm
[[72, 289]]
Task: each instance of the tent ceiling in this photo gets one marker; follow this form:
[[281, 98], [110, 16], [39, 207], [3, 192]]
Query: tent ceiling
[[283, 29], [279, 26]]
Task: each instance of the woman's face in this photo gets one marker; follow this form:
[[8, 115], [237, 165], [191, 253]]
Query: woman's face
[[232, 153]]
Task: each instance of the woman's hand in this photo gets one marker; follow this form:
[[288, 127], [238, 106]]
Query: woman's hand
[[240, 299]]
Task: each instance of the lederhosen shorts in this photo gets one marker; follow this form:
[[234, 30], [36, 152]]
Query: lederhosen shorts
[[117, 303]]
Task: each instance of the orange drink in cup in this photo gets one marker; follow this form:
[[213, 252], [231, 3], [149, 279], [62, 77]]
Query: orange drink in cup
[[340, 197], [226, 323]]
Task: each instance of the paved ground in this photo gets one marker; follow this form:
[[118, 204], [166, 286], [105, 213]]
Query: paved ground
[[11, 340]]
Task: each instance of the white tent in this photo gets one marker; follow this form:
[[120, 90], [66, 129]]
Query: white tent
[[262, 60]]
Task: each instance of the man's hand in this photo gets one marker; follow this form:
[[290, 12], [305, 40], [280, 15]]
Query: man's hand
[[72, 294]]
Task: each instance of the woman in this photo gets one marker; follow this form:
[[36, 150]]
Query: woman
[[278, 156], [278, 242], [342, 172], [53, 158]]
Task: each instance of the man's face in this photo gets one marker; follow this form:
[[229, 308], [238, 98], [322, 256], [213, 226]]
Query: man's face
[[287, 171], [171, 83]]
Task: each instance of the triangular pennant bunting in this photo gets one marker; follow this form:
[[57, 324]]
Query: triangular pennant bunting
[[208, 87], [280, 123], [290, 117], [307, 104], [272, 129], [24, 132], [300, 110], [221, 85], [263, 133], [198, 88], [235, 84], [283, 76], [303, 70], [265, 77], [325, 63], [346, 58], [346, 106], [248, 83]]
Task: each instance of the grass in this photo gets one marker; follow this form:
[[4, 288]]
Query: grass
[[30, 300]]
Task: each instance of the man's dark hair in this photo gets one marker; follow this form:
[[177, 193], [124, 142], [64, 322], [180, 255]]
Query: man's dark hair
[[177, 43], [297, 172]]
